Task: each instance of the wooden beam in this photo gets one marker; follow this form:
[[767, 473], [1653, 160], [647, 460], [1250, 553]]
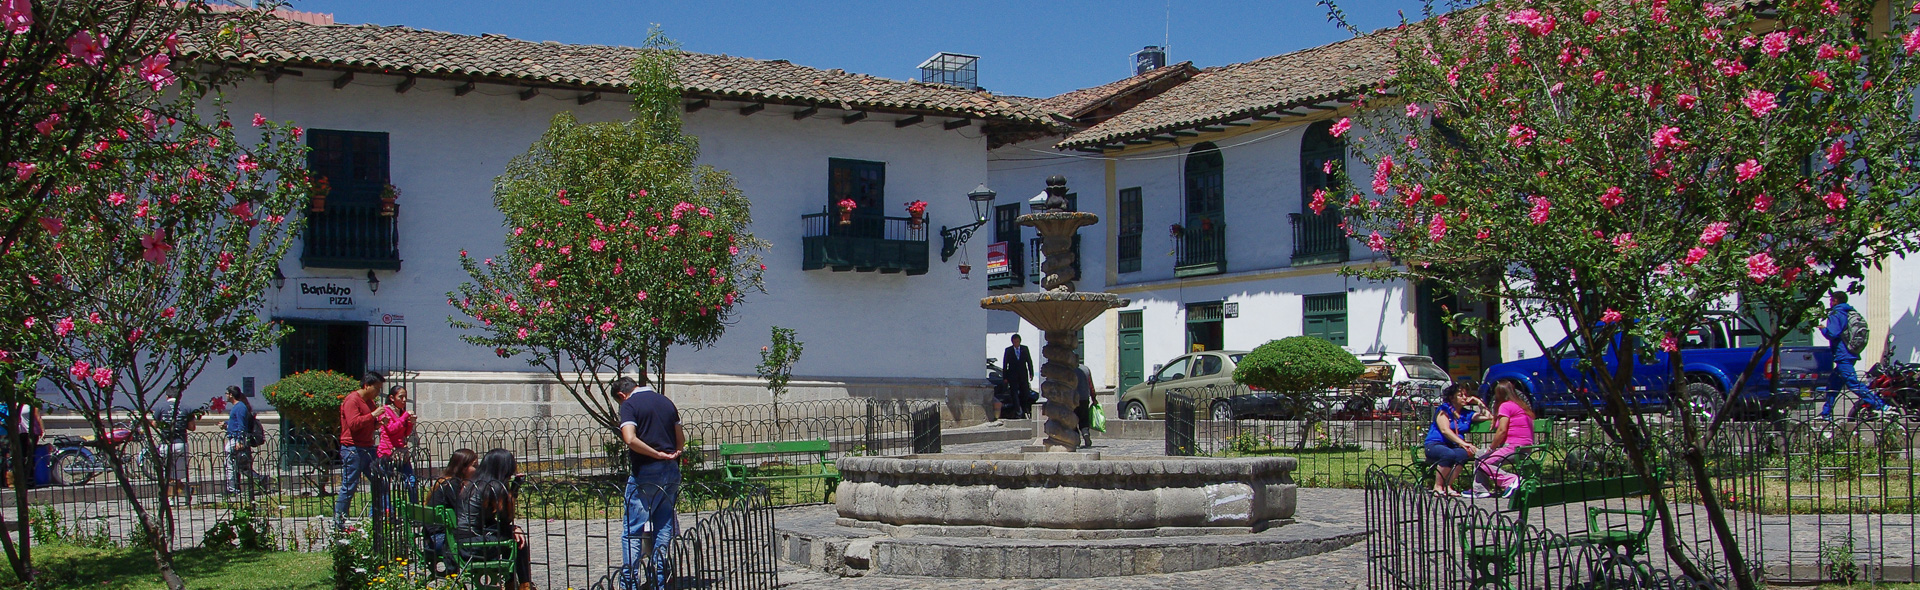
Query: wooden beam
[[956, 124], [695, 106], [587, 98], [1320, 107], [273, 74], [343, 81], [1139, 141], [463, 89], [853, 117], [1267, 117], [529, 93], [908, 122], [1237, 123], [752, 108], [1184, 133], [1212, 128], [1092, 149], [404, 86], [806, 112], [1161, 138]]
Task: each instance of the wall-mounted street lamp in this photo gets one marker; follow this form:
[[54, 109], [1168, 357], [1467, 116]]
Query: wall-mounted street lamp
[[952, 238], [279, 279], [373, 283]]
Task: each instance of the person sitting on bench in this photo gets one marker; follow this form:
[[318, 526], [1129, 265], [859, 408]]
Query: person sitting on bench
[[1446, 443], [1512, 429], [486, 512]]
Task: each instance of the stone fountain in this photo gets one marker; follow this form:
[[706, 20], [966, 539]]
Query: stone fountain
[[1059, 312], [984, 515]]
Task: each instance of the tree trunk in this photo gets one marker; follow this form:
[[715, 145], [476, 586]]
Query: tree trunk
[[22, 471], [157, 534], [1632, 439]]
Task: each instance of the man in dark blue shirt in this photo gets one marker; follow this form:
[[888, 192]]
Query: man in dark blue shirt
[[650, 428], [240, 421], [1844, 375]]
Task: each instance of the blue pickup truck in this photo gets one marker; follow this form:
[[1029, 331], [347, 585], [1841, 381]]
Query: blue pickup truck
[[1711, 361]]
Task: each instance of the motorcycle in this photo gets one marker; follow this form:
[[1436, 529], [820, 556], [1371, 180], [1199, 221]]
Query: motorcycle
[[75, 461], [1897, 384]]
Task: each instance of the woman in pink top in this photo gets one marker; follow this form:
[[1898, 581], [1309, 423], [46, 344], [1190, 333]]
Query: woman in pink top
[[396, 424], [1512, 429]]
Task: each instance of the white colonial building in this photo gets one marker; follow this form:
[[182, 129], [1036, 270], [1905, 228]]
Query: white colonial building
[[440, 115]]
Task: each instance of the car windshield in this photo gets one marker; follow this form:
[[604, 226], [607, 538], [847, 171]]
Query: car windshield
[[1424, 369]]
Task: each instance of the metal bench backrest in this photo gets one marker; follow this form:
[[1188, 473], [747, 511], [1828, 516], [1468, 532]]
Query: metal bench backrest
[[776, 448]]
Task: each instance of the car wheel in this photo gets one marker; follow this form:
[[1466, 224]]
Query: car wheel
[[1699, 399], [1133, 411], [1222, 411]]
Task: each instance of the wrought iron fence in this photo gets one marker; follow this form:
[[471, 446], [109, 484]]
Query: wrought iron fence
[[571, 495]]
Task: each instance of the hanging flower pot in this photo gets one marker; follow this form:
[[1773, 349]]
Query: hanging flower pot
[[917, 214], [965, 270], [846, 211], [320, 189], [387, 198]]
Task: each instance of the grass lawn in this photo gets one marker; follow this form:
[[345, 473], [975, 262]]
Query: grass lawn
[[64, 566]]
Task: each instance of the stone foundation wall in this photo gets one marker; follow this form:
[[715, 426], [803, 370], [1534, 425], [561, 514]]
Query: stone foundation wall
[[462, 395]]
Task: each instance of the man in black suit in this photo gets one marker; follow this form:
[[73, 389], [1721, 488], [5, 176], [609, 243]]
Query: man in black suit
[[1016, 365]]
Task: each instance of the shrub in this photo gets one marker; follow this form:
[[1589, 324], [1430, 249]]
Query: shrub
[[1298, 364], [311, 399]]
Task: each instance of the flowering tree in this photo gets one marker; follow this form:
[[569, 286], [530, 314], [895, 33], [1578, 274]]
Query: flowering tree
[[1625, 167], [620, 247], [104, 157]]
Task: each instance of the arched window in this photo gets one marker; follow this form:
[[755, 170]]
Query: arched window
[[1203, 238], [1317, 237]]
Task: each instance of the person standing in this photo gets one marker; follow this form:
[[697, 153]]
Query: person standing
[[396, 424], [174, 423], [357, 451], [650, 427], [1083, 396], [1016, 366], [1841, 321], [240, 421]]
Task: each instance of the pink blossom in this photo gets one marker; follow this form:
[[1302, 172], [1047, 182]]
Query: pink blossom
[[258, 120], [1853, 53], [94, 318], [116, 198], [1376, 242], [1686, 101], [1413, 110], [1714, 232], [24, 170], [103, 377], [1611, 316], [551, 283], [80, 370], [1827, 51], [534, 273], [1775, 45], [596, 244], [1694, 256], [1745, 171], [1340, 127], [1668, 138], [242, 210], [1836, 153], [1382, 173], [1762, 202], [1319, 202], [47, 125], [1536, 22], [1669, 343], [225, 262], [17, 15], [85, 47], [1437, 228], [32, 320], [53, 225], [1441, 200], [168, 313], [1413, 143], [1624, 241], [1910, 42], [521, 333], [154, 70], [63, 327], [246, 163], [1541, 207], [1520, 134], [1761, 266], [1590, 16], [1613, 197], [1759, 102], [136, 335], [1820, 80], [1835, 200], [1730, 67], [154, 247], [606, 327], [1484, 233], [641, 296]]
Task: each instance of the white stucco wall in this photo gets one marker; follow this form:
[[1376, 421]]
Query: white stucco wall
[[445, 151]]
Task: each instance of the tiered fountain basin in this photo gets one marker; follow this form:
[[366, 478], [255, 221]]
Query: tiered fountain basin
[[1064, 495]]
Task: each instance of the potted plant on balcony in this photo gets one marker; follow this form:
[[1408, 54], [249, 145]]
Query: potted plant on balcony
[[917, 214], [387, 197], [320, 189], [846, 211]]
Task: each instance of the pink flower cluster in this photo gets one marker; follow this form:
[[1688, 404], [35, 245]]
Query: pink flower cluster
[[1541, 207], [1536, 22], [1759, 102], [1745, 171], [1613, 197], [1761, 266], [16, 15], [1382, 174]]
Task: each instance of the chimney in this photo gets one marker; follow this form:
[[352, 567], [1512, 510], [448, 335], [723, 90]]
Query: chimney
[[1149, 58]]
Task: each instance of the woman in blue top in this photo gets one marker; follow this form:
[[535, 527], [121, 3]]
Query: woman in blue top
[[240, 471], [1447, 446]]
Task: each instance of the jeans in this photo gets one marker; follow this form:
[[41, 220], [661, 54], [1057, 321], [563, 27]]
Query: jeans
[[1445, 455], [651, 493], [398, 469], [1845, 376], [356, 462], [240, 469]]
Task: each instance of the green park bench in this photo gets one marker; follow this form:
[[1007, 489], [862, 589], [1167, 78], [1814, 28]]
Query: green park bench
[[1493, 552], [472, 572], [737, 472]]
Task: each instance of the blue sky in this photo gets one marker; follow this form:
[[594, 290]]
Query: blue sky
[[1027, 47]]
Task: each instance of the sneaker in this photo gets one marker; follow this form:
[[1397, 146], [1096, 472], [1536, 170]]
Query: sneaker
[[1480, 494], [1511, 489]]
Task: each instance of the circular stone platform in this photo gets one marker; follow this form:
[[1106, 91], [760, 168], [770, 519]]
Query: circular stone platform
[[1064, 495]]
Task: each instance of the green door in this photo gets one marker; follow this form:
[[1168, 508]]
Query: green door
[[1132, 350]]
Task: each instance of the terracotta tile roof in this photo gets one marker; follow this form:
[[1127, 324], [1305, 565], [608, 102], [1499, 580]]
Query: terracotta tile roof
[[499, 59], [1238, 91], [1077, 103]]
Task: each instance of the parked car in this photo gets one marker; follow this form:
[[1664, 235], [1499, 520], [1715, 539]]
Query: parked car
[[1711, 366], [1207, 377], [1395, 386]]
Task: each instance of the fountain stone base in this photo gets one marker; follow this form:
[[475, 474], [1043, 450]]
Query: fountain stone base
[[1064, 495]]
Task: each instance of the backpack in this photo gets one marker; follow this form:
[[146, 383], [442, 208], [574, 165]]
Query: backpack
[[256, 433], [1856, 332]]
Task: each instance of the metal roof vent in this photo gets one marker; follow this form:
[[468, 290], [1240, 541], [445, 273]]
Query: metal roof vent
[[956, 69]]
